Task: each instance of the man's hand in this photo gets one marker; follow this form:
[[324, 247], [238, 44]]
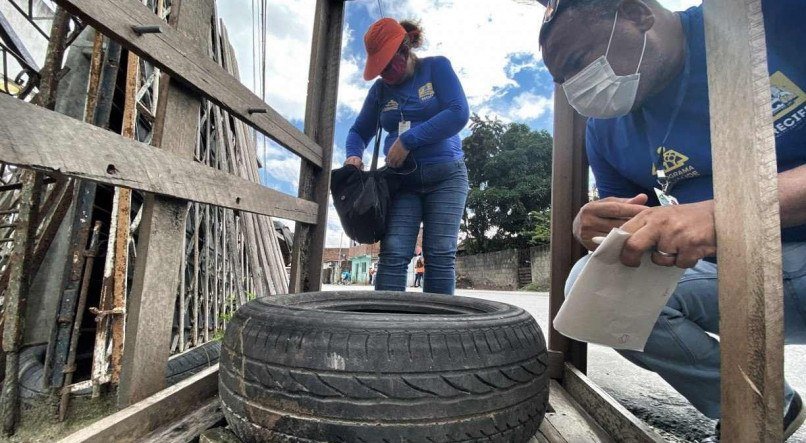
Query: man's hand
[[355, 161], [598, 218], [397, 154], [685, 233]]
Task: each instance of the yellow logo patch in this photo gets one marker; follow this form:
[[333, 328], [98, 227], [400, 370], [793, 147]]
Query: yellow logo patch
[[391, 105], [671, 160], [426, 91], [786, 95]]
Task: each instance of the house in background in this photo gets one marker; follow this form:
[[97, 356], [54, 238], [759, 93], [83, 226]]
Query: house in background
[[334, 260], [362, 259]]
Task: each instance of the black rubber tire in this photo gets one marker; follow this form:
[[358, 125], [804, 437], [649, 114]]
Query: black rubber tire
[[383, 367], [32, 369], [192, 361]]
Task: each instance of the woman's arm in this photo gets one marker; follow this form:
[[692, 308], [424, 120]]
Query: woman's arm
[[454, 114], [365, 125]]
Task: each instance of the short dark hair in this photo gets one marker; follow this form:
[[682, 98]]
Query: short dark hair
[[600, 8]]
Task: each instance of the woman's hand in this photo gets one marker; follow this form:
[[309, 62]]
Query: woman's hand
[[397, 154], [355, 161]]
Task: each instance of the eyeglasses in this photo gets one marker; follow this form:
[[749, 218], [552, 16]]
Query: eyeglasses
[[551, 10]]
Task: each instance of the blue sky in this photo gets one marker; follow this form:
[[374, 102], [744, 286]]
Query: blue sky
[[491, 44]]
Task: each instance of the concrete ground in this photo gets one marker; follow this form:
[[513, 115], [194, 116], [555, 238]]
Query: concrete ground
[[644, 393]]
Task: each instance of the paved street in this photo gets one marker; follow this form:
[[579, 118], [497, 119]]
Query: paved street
[[642, 392]]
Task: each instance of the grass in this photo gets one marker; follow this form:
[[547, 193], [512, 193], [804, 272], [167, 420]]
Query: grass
[[39, 423]]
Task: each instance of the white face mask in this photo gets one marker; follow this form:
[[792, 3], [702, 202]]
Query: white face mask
[[598, 92]]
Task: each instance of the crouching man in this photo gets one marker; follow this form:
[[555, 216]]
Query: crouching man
[[638, 71]]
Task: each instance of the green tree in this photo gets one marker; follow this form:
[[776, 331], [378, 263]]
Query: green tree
[[509, 168]]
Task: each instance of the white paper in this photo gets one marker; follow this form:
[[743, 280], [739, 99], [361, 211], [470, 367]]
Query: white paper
[[616, 305]]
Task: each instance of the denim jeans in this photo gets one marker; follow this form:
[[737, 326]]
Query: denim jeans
[[434, 195], [680, 349]]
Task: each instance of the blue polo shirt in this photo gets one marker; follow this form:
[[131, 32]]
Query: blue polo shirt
[[432, 100], [623, 151]]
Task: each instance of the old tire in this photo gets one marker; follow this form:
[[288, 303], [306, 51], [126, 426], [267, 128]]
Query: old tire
[[383, 367], [178, 368]]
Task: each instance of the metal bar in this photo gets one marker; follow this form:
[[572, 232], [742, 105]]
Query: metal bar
[[15, 299], [70, 369]]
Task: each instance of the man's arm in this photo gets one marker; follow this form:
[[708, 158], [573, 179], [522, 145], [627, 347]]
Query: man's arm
[[689, 230]]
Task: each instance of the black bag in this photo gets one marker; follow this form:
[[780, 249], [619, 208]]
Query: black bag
[[362, 198]]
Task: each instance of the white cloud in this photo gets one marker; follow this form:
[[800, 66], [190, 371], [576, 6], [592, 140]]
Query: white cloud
[[530, 106], [478, 36], [679, 5], [288, 50]]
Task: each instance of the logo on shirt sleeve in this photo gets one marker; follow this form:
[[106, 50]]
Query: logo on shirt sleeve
[[788, 101], [426, 91]]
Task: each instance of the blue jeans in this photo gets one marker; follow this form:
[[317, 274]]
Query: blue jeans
[[679, 348], [434, 195]]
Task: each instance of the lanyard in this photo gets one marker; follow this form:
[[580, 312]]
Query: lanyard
[[660, 170], [405, 97]]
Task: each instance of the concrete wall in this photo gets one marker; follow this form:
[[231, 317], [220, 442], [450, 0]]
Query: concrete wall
[[493, 270], [541, 266]]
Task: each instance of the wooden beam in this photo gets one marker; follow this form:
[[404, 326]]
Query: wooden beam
[[190, 427], [569, 192], [320, 121], [150, 311], [748, 228], [140, 419], [608, 413], [80, 150], [174, 52], [567, 421]]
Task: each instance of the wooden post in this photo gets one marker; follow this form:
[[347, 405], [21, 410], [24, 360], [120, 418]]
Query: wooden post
[[320, 118], [15, 300], [27, 221], [159, 250], [569, 192], [747, 222]]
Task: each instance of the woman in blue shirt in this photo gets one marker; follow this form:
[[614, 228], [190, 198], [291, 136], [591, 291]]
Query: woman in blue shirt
[[422, 107]]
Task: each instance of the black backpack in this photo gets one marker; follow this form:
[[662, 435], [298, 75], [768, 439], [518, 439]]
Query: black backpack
[[362, 198]]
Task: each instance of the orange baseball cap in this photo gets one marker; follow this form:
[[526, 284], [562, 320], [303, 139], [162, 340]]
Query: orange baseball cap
[[382, 41]]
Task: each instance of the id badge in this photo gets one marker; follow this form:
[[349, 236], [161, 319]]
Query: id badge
[[665, 199], [403, 126]]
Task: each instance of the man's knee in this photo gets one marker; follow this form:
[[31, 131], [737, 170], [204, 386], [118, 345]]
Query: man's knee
[[574, 274]]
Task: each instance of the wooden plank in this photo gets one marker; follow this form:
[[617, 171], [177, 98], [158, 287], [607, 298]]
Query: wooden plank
[[570, 421], [188, 428], [219, 435], [136, 421], [160, 250], [320, 120], [87, 152], [569, 192], [550, 433], [614, 418], [747, 222], [173, 51]]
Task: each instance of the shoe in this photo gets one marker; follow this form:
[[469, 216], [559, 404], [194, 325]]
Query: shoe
[[794, 417], [793, 420]]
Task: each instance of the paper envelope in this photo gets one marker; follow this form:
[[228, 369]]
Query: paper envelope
[[616, 305]]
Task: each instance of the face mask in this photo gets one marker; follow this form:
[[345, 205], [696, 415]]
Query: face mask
[[598, 92], [395, 71]]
